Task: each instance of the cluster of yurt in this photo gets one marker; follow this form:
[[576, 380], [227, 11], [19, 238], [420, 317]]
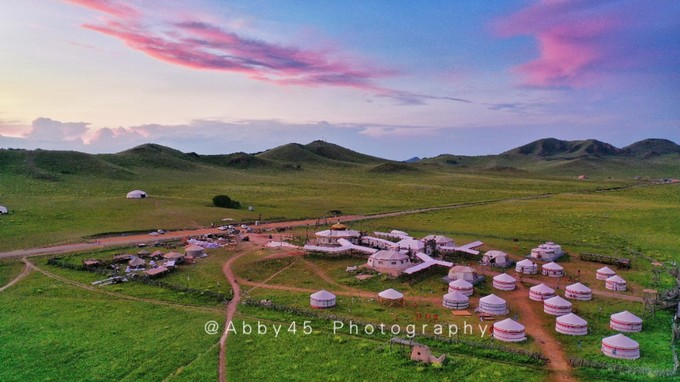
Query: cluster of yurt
[[620, 346], [136, 194], [625, 322], [389, 259], [461, 286], [504, 282], [572, 325], [556, 306], [493, 305], [552, 269], [527, 267], [604, 273], [391, 297], [455, 300], [579, 292], [509, 330], [541, 292], [615, 283], [322, 299]]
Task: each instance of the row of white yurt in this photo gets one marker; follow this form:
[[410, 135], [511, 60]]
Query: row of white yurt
[[493, 305], [508, 330], [552, 269], [625, 322], [604, 273], [578, 291], [541, 292], [527, 267], [572, 325], [504, 282], [461, 286], [615, 283], [557, 306], [455, 300]]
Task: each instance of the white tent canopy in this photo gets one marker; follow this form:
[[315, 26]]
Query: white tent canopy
[[604, 273], [615, 283], [552, 269], [578, 291], [620, 346], [504, 282], [625, 322], [461, 286], [557, 306], [526, 266], [455, 300], [391, 294], [136, 194], [322, 299], [493, 305], [509, 330], [541, 292]]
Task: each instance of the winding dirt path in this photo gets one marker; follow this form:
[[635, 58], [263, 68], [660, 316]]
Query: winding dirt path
[[231, 310], [27, 269]]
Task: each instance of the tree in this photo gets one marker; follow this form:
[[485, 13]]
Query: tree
[[225, 201]]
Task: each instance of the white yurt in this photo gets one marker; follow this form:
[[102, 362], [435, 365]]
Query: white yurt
[[136, 194], [322, 299], [620, 346], [625, 322], [572, 325], [557, 306], [3, 210], [493, 305], [461, 286], [495, 257], [462, 272], [194, 250], [552, 269], [541, 292], [389, 259], [455, 300], [615, 283], [578, 291], [336, 232], [410, 244], [604, 273], [504, 282], [509, 330], [440, 241], [527, 267], [391, 297]]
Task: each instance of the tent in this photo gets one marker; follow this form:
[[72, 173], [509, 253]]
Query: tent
[[136, 194], [504, 282], [572, 325], [541, 292], [620, 346], [552, 269], [578, 291], [615, 283], [495, 257], [194, 250], [410, 244], [389, 259], [439, 240], [548, 251], [335, 233], [509, 330], [391, 297], [604, 273], [178, 257], [455, 300], [136, 262], [526, 266], [461, 286], [322, 299], [462, 272], [493, 305], [557, 306], [3, 210], [625, 322]]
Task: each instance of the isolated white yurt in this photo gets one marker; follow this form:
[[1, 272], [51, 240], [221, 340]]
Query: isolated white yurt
[[389, 259], [541, 292], [461, 286], [136, 194], [455, 300], [509, 330], [194, 250], [462, 272], [391, 297], [578, 291], [3, 210], [495, 257], [527, 267], [615, 283], [552, 269], [572, 325], [557, 306], [322, 299], [504, 282], [620, 346], [625, 322], [493, 305], [336, 232], [604, 273]]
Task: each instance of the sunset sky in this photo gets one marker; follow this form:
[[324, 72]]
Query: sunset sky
[[390, 78]]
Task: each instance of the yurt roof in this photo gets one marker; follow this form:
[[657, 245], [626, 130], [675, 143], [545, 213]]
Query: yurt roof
[[391, 294], [553, 266], [509, 325], [462, 268], [616, 279], [626, 316], [493, 254], [437, 238], [492, 299], [579, 288], [525, 263], [136, 261], [410, 243], [173, 255], [542, 288], [456, 296], [338, 227], [460, 283], [389, 254], [620, 341], [323, 295], [504, 277], [606, 270], [572, 319], [557, 301], [193, 247]]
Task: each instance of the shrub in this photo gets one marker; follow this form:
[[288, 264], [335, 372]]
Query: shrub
[[225, 201]]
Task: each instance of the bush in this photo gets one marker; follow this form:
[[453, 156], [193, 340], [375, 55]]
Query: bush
[[225, 201]]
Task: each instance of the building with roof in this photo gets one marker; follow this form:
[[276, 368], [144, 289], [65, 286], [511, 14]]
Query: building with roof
[[496, 258], [579, 292], [620, 346], [337, 231], [136, 262], [136, 194], [461, 286], [410, 244], [571, 325], [547, 251], [556, 306], [175, 256], [509, 330], [455, 300], [615, 283], [493, 305], [156, 272], [604, 273], [322, 299], [389, 259], [541, 292], [3, 210], [194, 250], [625, 322], [504, 282], [526, 267], [465, 273], [391, 297], [552, 269]]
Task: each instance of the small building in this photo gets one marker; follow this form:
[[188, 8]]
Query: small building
[[322, 299], [493, 305], [557, 306], [461, 286], [509, 330], [156, 272], [604, 273], [91, 263], [411, 245], [579, 292], [541, 292], [552, 269], [495, 258], [625, 322], [620, 346], [122, 258], [136, 194], [136, 262], [3, 210], [527, 267], [337, 231], [439, 241], [389, 259], [455, 300], [194, 250], [143, 253], [571, 325], [176, 256], [464, 273], [547, 251], [504, 282], [156, 255], [391, 297], [615, 283]]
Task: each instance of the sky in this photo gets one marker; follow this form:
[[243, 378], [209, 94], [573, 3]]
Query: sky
[[389, 78]]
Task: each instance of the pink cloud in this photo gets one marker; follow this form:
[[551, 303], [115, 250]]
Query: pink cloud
[[112, 8]]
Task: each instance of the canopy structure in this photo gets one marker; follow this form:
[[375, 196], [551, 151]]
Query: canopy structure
[[391, 297], [578, 291], [493, 305], [552, 269], [389, 259], [427, 262], [572, 325], [322, 299], [462, 272], [615, 283], [604, 273], [439, 240], [557, 306], [548, 251], [541, 292], [3, 210], [455, 300], [136, 194], [509, 330], [495, 257], [410, 244], [504, 282], [620, 346], [625, 322], [194, 250], [527, 267], [461, 286]]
